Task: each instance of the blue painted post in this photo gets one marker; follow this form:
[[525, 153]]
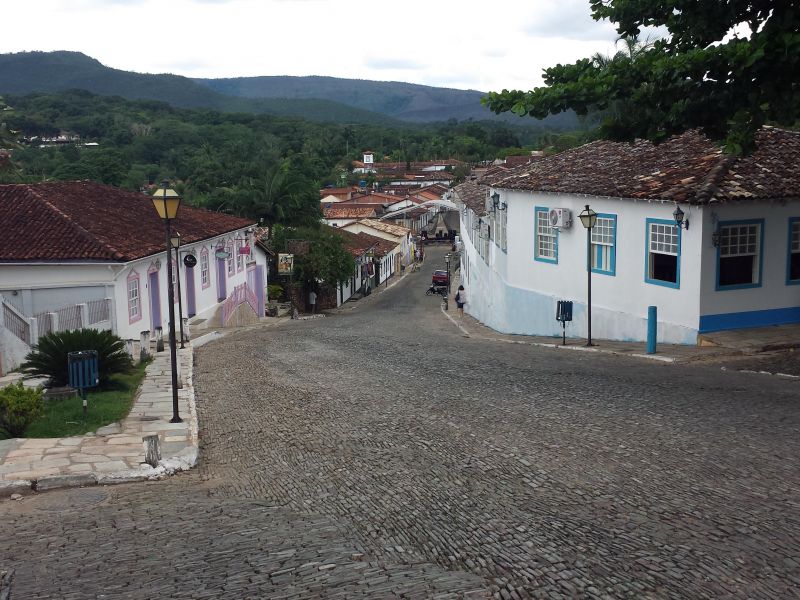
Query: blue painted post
[[652, 318]]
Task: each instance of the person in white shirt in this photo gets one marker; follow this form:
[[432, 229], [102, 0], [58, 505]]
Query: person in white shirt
[[312, 300], [461, 300]]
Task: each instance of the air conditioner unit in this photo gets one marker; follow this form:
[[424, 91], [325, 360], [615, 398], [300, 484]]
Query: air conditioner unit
[[560, 218]]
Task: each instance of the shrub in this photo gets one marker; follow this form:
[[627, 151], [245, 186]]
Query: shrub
[[19, 407], [274, 292], [49, 357]]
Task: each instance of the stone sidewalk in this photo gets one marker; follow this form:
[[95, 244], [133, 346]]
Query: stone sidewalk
[[115, 453], [719, 345]]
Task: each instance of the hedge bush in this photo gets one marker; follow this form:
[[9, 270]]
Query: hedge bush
[[49, 357], [19, 407]]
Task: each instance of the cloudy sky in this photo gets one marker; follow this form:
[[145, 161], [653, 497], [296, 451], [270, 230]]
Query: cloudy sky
[[449, 43]]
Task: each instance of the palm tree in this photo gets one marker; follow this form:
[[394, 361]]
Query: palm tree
[[632, 48]]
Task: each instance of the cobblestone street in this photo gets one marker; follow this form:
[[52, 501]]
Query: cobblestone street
[[378, 453]]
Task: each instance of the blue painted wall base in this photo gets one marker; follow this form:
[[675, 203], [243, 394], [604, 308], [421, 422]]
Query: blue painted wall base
[[746, 320]]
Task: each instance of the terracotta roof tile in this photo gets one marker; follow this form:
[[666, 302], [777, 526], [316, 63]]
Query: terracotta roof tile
[[396, 230], [473, 195], [348, 212], [87, 221], [685, 168]]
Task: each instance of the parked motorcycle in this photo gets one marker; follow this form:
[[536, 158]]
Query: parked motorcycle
[[436, 289]]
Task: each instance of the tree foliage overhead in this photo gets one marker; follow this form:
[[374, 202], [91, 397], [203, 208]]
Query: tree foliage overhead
[[327, 262], [726, 67]]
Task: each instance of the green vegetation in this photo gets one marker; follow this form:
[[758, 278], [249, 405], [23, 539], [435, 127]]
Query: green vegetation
[[27, 72], [19, 407], [49, 358], [251, 165], [700, 76], [64, 417], [274, 292], [327, 260]]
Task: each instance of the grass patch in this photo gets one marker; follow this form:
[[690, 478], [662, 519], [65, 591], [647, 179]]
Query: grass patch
[[64, 417]]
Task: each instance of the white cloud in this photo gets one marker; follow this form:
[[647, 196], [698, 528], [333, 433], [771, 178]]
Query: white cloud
[[463, 44]]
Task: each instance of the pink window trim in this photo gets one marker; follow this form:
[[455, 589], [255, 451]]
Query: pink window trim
[[133, 275], [239, 257], [204, 253], [230, 264]]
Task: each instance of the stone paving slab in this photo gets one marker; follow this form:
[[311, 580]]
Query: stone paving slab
[[115, 448]]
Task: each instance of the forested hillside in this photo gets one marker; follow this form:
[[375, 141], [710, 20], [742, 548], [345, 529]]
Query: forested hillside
[[403, 101], [27, 72], [254, 165], [314, 98]]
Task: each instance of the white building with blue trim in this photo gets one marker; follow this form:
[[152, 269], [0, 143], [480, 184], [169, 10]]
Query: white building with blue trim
[[734, 262]]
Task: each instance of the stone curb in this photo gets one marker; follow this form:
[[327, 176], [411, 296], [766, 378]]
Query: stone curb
[[660, 358], [18, 486], [751, 372], [182, 461]]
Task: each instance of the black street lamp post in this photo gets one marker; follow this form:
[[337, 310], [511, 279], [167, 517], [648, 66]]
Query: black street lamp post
[[176, 243], [588, 219], [166, 202]]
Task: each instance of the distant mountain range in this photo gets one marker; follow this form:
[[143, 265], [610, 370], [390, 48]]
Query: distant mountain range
[[316, 98], [402, 101]]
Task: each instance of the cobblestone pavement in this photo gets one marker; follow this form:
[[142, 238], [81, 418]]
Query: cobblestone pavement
[[377, 448]]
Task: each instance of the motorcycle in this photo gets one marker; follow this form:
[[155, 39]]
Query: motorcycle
[[436, 289]]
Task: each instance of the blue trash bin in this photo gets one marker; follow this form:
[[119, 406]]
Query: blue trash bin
[[84, 372]]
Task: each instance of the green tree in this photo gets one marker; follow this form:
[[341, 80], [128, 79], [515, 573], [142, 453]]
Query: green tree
[[327, 262], [725, 67]]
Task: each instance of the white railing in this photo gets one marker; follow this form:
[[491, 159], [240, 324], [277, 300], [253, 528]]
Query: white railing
[[66, 318], [241, 294], [16, 322], [69, 318], [99, 310], [46, 323]]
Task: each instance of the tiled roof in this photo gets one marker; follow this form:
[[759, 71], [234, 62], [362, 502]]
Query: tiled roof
[[336, 191], [396, 230], [87, 221], [686, 168], [380, 246], [473, 195], [357, 244], [349, 212]]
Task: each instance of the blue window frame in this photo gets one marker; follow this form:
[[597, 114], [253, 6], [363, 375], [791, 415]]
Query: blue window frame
[[662, 248], [545, 237], [604, 244], [793, 258], [740, 254]]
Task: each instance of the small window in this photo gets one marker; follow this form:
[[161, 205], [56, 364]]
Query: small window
[[231, 263], [794, 250], [546, 237], [663, 253], [604, 239], [738, 255], [239, 255], [134, 301], [204, 269]]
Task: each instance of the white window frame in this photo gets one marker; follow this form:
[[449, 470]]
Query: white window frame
[[231, 264], [205, 270], [134, 297], [738, 239], [239, 255], [545, 237], [663, 237], [604, 243]]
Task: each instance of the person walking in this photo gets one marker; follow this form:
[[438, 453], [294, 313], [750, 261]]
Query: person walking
[[461, 300], [312, 300]]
